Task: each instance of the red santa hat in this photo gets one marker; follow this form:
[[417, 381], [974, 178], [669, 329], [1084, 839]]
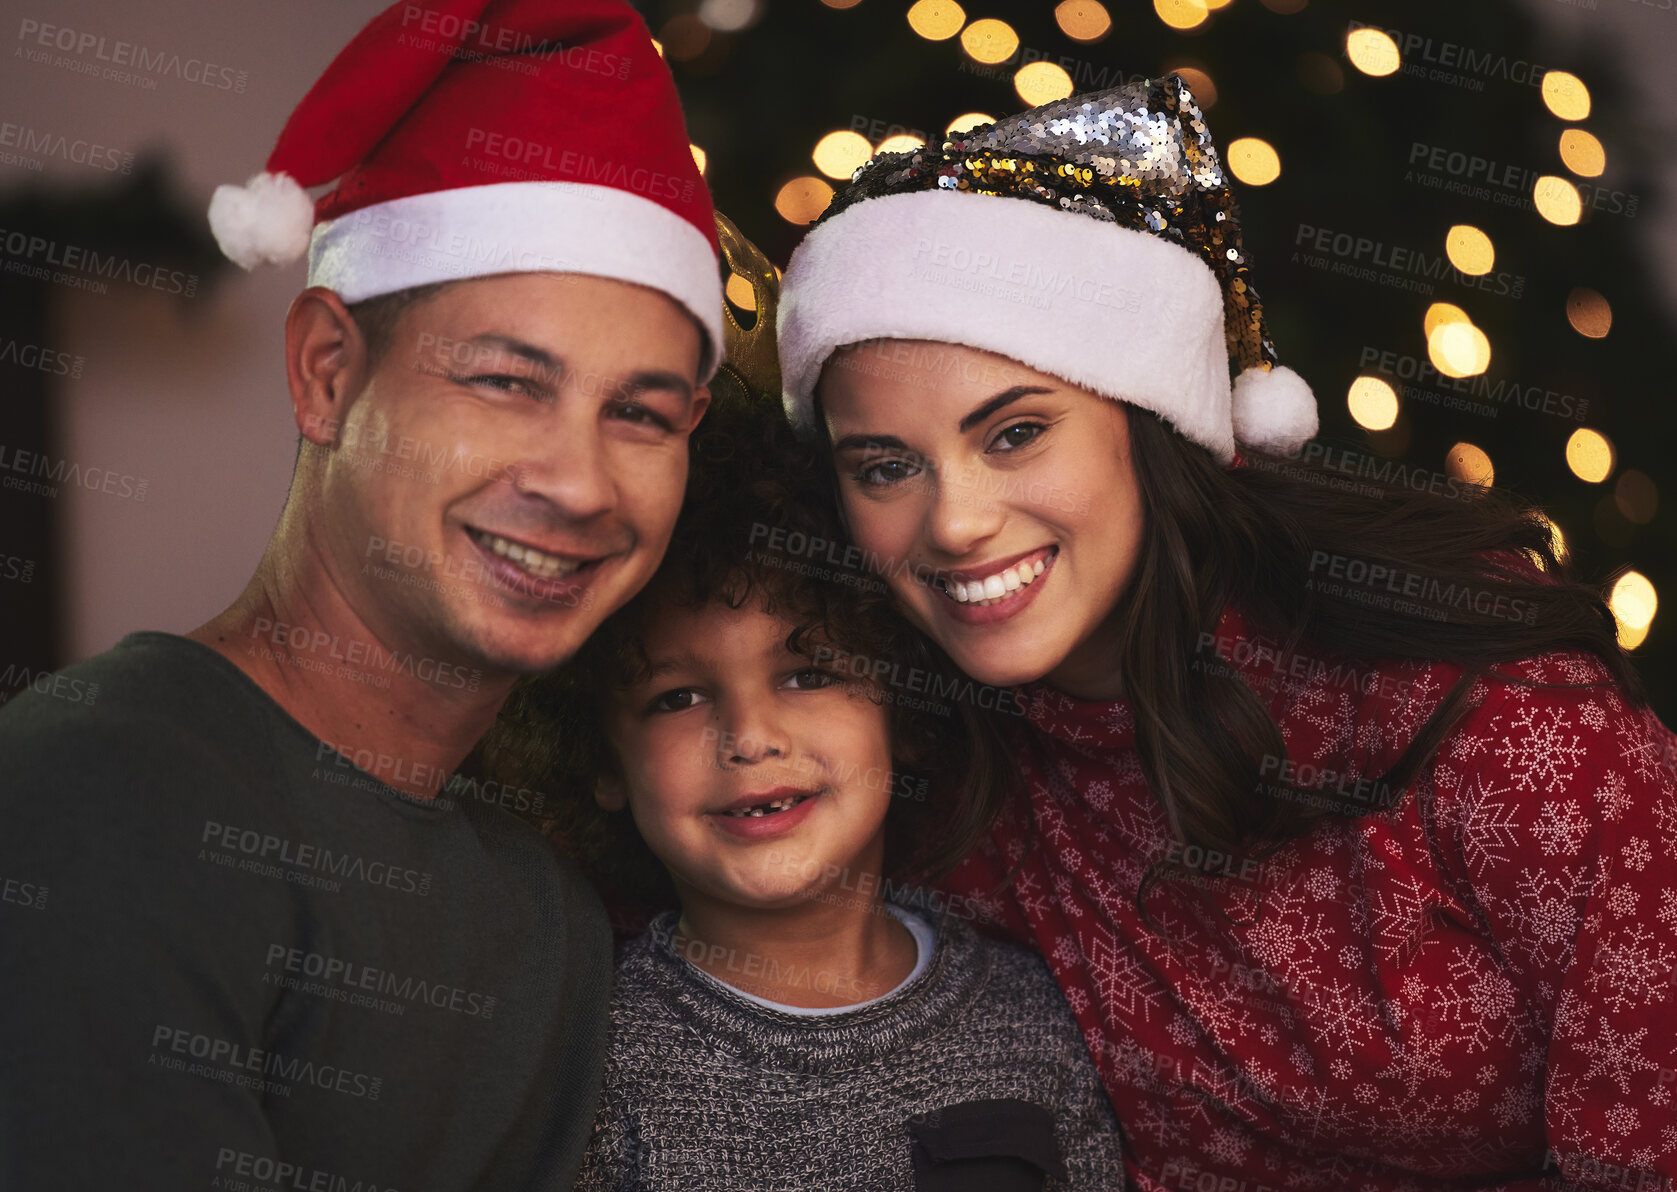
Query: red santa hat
[[478, 137]]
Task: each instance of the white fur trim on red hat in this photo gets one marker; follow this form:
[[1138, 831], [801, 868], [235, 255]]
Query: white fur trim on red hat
[[1122, 313], [521, 227], [267, 220]]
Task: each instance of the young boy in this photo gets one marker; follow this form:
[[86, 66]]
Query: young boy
[[789, 1026]]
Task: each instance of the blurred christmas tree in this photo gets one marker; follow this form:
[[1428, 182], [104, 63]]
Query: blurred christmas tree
[[1449, 251]]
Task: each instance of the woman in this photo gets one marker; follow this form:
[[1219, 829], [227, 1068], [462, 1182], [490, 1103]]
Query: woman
[[1339, 804]]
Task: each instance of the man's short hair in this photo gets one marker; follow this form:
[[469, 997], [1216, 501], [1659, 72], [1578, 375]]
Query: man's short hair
[[377, 317]]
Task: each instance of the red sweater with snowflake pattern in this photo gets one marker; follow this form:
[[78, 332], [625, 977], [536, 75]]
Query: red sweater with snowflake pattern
[[1475, 987]]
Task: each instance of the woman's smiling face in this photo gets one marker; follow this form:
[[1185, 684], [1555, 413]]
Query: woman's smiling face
[[1000, 503]]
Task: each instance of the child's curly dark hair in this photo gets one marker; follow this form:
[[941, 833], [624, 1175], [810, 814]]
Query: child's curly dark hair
[[751, 483]]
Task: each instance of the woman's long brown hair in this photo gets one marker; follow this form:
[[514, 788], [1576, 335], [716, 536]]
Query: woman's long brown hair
[[1264, 538]]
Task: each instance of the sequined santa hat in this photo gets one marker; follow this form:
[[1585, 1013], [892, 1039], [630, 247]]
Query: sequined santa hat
[[478, 137], [1094, 238]]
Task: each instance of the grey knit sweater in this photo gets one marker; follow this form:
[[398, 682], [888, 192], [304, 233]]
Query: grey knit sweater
[[706, 1091]]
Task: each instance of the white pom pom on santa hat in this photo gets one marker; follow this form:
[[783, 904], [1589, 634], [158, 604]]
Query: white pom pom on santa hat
[[1273, 409], [267, 220]]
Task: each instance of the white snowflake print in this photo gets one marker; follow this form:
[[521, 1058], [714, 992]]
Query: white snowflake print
[[1637, 854], [1621, 900], [1517, 1106], [1120, 979], [1183, 1030], [1592, 715], [1617, 1055], [1545, 910], [1487, 1074], [1269, 1034], [1077, 999], [1466, 1100], [1668, 908], [1341, 1015], [1622, 1118], [1488, 833], [1612, 796], [1350, 957], [1301, 1060], [1066, 952], [1538, 750], [1418, 1059], [1227, 1146], [1562, 829], [1637, 748], [1402, 919], [1288, 936], [1341, 1069], [1321, 1112], [1098, 794], [1633, 970], [1321, 883]]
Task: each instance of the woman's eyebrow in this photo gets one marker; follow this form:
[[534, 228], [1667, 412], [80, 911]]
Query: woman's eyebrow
[[855, 442], [1002, 400]]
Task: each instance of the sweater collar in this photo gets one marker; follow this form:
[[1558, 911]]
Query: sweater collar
[[933, 1002]]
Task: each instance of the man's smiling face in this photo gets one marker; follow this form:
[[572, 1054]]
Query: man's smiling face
[[511, 470]]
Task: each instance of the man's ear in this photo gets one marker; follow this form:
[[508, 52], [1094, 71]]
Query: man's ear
[[610, 793], [701, 403], [325, 362]]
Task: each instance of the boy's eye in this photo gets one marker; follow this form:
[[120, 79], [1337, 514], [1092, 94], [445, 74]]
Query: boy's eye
[[678, 700], [813, 678], [1017, 435]]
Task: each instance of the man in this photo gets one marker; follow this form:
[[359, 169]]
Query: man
[[255, 934]]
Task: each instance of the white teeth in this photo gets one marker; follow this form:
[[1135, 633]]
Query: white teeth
[[762, 809], [538, 563], [984, 592]]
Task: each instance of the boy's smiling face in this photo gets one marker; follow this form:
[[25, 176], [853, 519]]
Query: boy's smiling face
[[758, 778]]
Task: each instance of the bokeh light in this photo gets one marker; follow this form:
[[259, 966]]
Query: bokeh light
[[730, 16], [1634, 603], [1373, 403], [1083, 20], [1182, 14], [1042, 82], [1253, 161], [1459, 349], [1589, 455], [1205, 91], [1372, 52], [901, 143], [699, 157], [968, 120], [839, 154], [1440, 313], [936, 20], [740, 292], [1469, 463], [1582, 153], [1557, 200], [801, 200], [1566, 95], [841, 3], [1470, 250], [1589, 313], [990, 41]]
